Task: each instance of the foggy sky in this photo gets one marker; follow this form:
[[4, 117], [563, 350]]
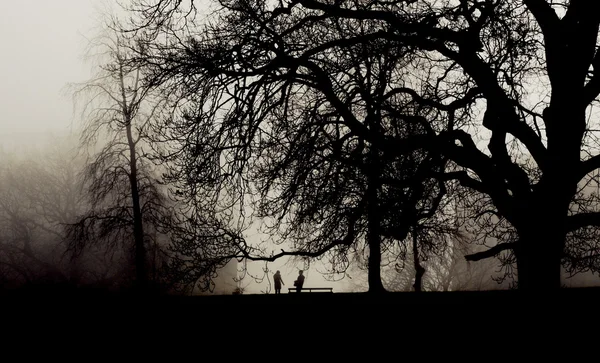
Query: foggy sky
[[42, 43]]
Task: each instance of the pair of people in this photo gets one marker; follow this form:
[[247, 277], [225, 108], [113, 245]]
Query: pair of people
[[279, 281]]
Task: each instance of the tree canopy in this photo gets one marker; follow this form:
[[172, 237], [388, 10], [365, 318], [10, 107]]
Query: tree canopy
[[277, 99]]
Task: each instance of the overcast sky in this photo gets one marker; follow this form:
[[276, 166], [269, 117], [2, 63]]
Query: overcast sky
[[42, 44]]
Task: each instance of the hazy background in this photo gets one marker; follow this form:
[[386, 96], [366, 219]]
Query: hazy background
[[42, 46], [43, 43]]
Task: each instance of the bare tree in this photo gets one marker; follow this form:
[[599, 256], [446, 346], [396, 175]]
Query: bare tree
[[41, 192], [127, 201]]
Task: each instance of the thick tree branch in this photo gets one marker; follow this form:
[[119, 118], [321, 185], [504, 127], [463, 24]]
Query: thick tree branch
[[491, 252], [390, 17], [468, 156], [588, 166], [581, 220], [592, 88], [501, 115], [544, 15], [245, 255]]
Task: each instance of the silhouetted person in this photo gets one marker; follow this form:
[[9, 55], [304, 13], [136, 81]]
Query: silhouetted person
[[278, 282], [299, 281]]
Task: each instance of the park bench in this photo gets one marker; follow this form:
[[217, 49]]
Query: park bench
[[311, 289]]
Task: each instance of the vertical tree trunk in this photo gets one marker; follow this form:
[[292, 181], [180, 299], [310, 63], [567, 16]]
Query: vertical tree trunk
[[419, 270], [374, 225], [542, 237], [542, 229], [538, 271], [138, 228], [539, 256], [374, 242]]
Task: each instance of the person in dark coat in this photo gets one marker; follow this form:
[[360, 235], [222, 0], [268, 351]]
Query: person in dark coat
[[299, 281], [278, 282]]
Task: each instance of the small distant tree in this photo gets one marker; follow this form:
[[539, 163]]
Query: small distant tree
[[127, 204], [40, 192]]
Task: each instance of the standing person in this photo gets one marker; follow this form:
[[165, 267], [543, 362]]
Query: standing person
[[299, 281], [278, 282]]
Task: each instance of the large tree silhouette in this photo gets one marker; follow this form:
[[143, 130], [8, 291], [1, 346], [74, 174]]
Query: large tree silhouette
[[517, 75], [284, 137], [497, 46]]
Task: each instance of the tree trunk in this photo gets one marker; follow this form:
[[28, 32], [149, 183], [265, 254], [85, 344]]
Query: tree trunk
[[419, 270], [374, 241], [542, 221], [542, 238], [542, 226], [138, 228], [374, 226], [539, 258]]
